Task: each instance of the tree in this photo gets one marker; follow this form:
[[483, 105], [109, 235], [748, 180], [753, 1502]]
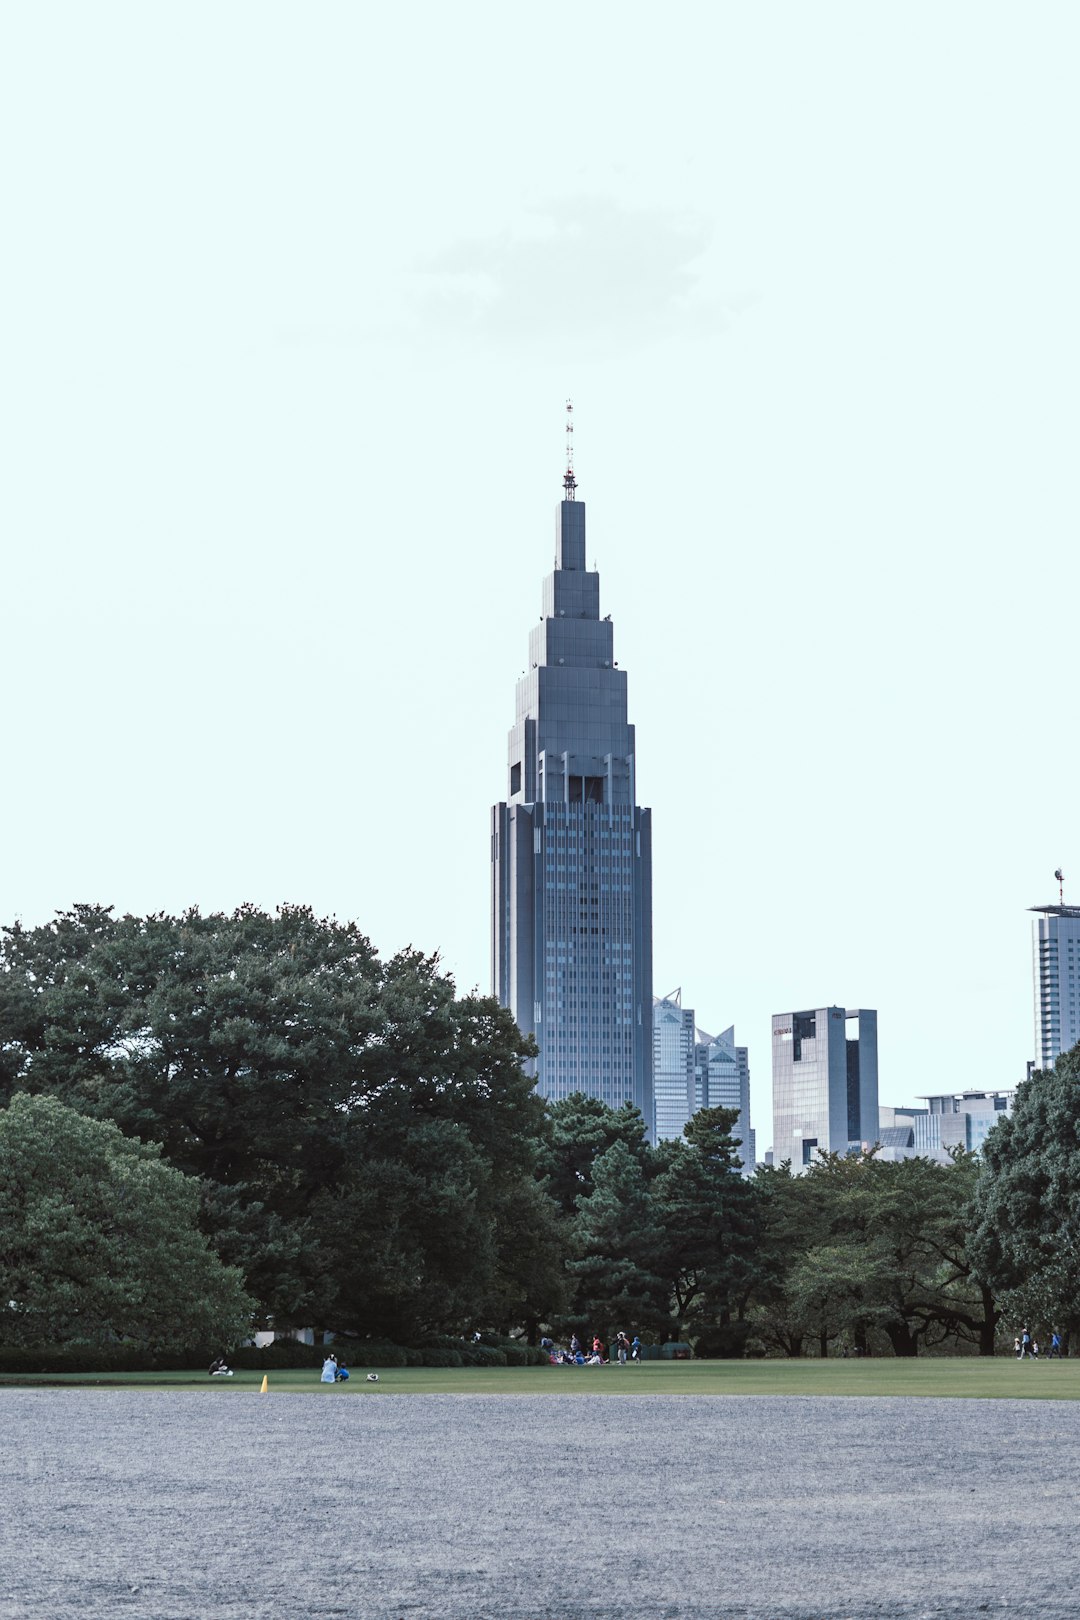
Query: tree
[[710, 1221], [99, 1240], [1026, 1241], [883, 1253], [581, 1129], [615, 1272], [362, 1132], [789, 1213]]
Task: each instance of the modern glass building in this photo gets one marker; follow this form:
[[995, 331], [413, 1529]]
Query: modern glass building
[[673, 1065], [571, 935], [825, 1083], [722, 1080], [1056, 948], [950, 1119]]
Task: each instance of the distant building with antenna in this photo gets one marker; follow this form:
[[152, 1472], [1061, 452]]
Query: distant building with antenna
[[571, 849], [1056, 964]]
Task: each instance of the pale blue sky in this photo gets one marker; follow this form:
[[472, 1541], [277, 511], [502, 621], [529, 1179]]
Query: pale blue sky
[[294, 296]]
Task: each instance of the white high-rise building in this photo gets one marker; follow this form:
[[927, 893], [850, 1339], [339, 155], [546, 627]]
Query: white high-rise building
[[673, 1064], [722, 1080], [825, 1083], [1056, 942]]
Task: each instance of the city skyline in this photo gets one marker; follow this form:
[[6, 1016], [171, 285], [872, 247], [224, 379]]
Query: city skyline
[[283, 385]]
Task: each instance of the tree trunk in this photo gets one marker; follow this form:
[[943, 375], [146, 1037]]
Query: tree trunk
[[988, 1325], [903, 1341], [823, 1344]]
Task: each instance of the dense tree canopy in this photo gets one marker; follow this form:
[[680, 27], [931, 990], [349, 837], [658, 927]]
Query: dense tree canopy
[[861, 1251], [365, 1137], [99, 1240], [367, 1149], [1027, 1236]]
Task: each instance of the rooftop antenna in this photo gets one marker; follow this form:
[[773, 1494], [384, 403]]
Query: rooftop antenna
[[1059, 874], [569, 481]]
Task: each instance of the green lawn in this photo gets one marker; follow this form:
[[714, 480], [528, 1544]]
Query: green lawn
[[988, 1379]]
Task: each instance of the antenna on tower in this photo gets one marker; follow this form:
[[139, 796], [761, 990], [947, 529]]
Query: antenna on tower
[[1059, 874], [569, 481]]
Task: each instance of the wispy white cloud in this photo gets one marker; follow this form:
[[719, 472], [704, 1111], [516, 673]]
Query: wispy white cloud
[[583, 269]]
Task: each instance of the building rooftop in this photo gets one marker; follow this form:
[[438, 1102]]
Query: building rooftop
[[1057, 911]]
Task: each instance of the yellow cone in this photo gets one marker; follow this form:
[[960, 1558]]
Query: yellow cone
[[265, 1385]]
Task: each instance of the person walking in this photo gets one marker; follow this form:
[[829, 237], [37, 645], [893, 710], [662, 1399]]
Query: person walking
[[622, 1345], [1055, 1347], [635, 1349], [1025, 1343]]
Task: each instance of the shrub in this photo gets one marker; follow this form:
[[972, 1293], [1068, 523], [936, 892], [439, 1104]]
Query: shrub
[[364, 1354], [483, 1355], [105, 1358], [281, 1354], [517, 1355], [441, 1358]]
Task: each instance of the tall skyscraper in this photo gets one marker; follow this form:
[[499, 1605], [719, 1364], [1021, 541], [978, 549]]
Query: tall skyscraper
[[1056, 942], [571, 850], [722, 1080], [825, 1083], [673, 1065]]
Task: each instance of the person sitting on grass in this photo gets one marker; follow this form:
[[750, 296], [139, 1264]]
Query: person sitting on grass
[[329, 1369], [341, 1373], [220, 1368]]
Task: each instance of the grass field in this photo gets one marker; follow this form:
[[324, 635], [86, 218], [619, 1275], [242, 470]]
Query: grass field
[[991, 1379]]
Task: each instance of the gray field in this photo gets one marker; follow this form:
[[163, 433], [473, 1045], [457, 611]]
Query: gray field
[[220, 1505]]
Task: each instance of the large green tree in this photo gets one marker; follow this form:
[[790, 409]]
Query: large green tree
[[580, 1131], [616, 1273], [99, 1240], [877, 1252], [1026, 1240], [710, 1220], [365, 1137]]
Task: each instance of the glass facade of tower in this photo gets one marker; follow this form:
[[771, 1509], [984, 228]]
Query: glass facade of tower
[[722, 1080], [673, 1065], [1057, 982], [571, 852]]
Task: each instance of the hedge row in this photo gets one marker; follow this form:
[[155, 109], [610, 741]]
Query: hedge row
[[100, 1359], [282, 1354]]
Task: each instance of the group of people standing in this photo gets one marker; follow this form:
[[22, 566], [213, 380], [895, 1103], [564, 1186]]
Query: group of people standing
[[623, 1350], [1027, 1348]]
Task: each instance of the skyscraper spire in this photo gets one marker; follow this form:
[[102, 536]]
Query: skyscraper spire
[[569, 481], [571, 849]]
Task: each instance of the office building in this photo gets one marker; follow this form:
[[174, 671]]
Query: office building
[[722, 1080], [673, 1065], [571, 850], [1056, 942], [950, 1120], [825, 1083]]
